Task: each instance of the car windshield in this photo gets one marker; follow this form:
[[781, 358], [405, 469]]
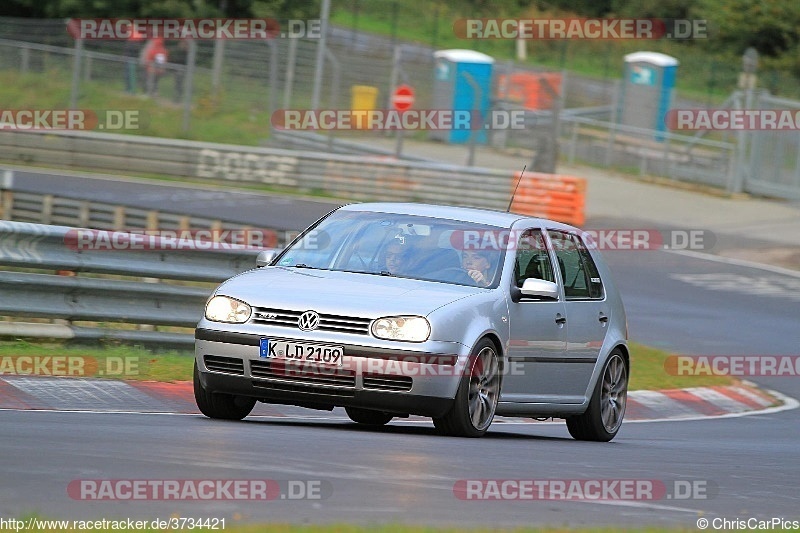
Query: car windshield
[[407, 246]]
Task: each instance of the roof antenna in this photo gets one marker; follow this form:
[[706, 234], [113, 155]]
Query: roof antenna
[[515, 188]]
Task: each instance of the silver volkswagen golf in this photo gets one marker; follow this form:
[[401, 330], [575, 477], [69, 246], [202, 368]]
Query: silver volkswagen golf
[[454, 313]]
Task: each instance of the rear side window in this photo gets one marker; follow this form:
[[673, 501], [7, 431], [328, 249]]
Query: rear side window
[[532, 260], [578, 270]]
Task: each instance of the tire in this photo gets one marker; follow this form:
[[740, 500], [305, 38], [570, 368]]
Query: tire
[[603, 418], [219, 405], [478, 392], [368, 417]]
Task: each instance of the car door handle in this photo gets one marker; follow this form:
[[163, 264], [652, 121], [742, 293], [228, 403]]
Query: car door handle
[[561, 319], [603, 317]]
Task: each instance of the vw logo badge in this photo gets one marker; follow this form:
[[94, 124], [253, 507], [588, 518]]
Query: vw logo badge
[[308, 321]]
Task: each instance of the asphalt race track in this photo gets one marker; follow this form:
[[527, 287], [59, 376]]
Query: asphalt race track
[[738, 467]]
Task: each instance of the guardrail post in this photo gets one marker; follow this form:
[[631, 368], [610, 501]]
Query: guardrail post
[[119, 218], [46, 215], [7, 203], [84, 214], [7, 206], [152, 220]]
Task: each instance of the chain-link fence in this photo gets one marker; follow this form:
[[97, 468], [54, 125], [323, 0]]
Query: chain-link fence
[[249, 80], [268, 75]]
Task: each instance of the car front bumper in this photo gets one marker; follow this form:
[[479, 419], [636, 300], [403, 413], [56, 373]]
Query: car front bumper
[[415, 379]]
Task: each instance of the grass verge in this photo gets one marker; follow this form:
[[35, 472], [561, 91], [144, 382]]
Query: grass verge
[[111, 361], [137, 363]]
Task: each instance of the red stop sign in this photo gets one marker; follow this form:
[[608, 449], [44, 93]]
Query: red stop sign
[[403, 98]]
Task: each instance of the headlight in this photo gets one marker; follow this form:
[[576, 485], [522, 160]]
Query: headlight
[[402, 328], [224, 309]]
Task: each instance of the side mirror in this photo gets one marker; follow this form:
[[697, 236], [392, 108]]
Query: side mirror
[[539, 289], [265, 257]]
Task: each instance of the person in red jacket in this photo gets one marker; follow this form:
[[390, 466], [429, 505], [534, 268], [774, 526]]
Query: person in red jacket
[[154, 58]]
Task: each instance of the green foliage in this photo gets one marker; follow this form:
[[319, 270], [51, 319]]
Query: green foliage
[[286, 9], [279, 9], [771, 26]]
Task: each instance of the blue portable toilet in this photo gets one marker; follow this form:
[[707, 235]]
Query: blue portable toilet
[[456, 75], [647, 90]]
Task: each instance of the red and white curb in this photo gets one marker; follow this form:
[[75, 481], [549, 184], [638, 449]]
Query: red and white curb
[[102, 395]]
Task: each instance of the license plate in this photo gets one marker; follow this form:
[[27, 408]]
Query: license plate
[[301, 352]]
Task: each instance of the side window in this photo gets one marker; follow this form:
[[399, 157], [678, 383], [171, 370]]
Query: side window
[[532, 261], [578, 270]]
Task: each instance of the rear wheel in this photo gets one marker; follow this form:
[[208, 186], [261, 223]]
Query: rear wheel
[[368, 417], [476, 400], [219, 405], [603, 418]]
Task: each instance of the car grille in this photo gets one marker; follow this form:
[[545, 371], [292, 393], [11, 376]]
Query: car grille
[[280, 386], [288, 319], [277, 372], [384, 382], [227, 365]]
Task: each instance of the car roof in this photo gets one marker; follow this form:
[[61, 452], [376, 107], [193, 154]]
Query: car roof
[[464, 214]]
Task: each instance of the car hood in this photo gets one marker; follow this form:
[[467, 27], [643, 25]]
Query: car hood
[[344, 293]]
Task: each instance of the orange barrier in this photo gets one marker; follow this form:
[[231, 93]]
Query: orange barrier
[[561, 198], [527, 90]]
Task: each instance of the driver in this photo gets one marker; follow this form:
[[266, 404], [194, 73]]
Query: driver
[[397, 256], [478, 264]]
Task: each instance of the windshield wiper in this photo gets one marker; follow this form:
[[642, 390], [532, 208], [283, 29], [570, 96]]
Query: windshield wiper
[[368, 272]]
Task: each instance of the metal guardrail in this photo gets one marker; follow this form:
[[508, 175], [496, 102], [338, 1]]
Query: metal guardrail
[[51, 209], [156, 300], [353, 177], [40, 246], [650, 152]]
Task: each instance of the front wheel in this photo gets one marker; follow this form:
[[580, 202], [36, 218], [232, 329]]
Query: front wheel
[[603, 418], [219, 405], [476, 400], [368, 417]]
